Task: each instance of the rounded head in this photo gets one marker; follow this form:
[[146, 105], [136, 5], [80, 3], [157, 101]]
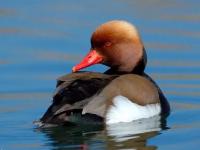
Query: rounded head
[[114, 32], [118, 45]]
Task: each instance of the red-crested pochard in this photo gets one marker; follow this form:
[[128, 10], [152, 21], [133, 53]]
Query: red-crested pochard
[[121, 94]]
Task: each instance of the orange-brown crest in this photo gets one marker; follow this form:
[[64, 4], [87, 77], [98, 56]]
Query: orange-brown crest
[[115, 31]]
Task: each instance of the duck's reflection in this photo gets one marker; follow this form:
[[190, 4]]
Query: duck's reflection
[[132, 135]]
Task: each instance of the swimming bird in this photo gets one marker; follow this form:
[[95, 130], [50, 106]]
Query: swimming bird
[[123, 93]]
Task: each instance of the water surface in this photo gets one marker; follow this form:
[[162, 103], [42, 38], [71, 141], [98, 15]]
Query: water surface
[[42, 40]]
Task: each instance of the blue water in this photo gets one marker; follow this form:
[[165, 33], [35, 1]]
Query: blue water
[[42, 40]]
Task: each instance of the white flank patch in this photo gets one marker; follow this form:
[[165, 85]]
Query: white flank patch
[[124, 110]]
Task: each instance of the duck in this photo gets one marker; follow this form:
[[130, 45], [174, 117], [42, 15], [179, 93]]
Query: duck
[[123, 93]]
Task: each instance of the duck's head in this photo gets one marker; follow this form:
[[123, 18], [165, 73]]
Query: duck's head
[[116, 44]]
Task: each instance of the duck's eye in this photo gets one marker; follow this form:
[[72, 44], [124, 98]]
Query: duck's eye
[[107, 44]]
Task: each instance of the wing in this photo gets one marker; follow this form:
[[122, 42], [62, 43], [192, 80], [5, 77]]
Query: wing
[[73, 92]]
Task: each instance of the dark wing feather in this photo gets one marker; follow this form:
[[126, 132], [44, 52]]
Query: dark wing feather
[[72, 93]]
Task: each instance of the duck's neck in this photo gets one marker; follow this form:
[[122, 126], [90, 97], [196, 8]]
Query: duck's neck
[[113, 71], [138, 69]]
